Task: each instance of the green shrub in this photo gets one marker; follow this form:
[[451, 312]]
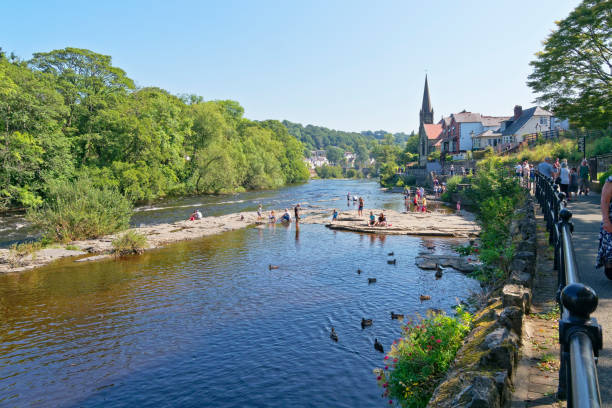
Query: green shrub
[[79, 210], [329, 171], [601, 146], [129, 243], [451, 184], [409, 180], [604, 176], [421, 357]]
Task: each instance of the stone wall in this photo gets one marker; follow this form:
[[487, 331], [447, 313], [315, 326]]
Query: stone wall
[[483, 371]]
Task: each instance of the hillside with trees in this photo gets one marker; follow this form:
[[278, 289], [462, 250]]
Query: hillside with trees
[[70, 114]]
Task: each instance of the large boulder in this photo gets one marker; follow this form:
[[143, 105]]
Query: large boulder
[[516, 295], [480, 393]]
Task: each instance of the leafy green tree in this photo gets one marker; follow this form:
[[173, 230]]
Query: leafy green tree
[[334, 154], [412, 144], [573, 74]]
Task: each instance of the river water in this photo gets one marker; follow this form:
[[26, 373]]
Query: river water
[[206, 323]]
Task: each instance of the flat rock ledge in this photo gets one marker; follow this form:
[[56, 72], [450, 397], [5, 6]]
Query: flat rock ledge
[[483, 371], [403, 223], [459, 263], [157, 236]]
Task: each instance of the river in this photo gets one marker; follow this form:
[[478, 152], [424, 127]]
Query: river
[[206, 323]]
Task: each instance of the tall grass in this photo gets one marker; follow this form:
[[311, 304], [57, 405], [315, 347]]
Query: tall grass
[[80, 210]]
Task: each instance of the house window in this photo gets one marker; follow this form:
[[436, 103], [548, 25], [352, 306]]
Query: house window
[[543, 121]]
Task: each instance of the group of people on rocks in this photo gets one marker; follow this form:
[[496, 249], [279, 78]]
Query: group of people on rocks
[[418, 201], [573, 181], [285, 218]]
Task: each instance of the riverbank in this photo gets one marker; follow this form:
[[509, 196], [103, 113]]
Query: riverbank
[[420, 224]]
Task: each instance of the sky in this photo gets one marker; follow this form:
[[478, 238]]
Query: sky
[[349, 65]]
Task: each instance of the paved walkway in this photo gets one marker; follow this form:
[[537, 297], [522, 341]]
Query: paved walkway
[[537, 375], [587, 218]]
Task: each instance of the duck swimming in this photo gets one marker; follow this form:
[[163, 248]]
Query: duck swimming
[[392, 262], [378, 346], [439, 270], [359, 271], [391, 253], [424, 297], [333, 335], [272, 267], [371, 280], [365, 323], [396, 315]]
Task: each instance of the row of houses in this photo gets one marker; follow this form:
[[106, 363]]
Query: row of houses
[[466, 131], [318, 158]]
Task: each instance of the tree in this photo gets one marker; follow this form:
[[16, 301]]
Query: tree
[[573, 74], [334, 154], [412, 144]]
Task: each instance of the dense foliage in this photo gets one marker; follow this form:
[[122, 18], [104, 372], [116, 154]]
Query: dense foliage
[[421, 357], [573, 74], [81, 210], [70, 113]]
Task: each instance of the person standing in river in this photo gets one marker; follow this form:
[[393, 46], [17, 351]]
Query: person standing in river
[[360, 210], [604, 254], [296, 211]]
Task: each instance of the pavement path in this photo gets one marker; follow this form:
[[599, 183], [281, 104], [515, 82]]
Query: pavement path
[[586, 216]]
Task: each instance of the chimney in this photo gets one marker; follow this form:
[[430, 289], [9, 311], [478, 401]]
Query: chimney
[[518, 111]]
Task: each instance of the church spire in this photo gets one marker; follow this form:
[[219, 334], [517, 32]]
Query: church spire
[[426, 114]]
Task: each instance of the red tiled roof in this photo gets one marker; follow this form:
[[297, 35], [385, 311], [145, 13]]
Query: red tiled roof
[[432, 130]]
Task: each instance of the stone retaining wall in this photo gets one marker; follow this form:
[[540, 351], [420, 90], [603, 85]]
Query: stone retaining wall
[[482, 374]]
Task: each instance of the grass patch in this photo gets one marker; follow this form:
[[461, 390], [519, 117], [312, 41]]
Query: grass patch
[[421, 357], [552, 314], [72, 248], [129, 243]]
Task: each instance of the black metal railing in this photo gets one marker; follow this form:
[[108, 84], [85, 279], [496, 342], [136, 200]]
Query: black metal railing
[[580, 336]]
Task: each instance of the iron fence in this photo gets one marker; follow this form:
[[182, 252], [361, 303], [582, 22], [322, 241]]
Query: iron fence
[[580, 335]]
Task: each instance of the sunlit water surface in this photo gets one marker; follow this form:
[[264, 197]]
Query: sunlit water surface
[[206, 323]]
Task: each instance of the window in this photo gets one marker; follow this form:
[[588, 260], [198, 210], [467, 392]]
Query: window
[[543, 121]]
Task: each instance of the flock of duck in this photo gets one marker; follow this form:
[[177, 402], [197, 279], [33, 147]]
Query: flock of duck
[[368, 322]]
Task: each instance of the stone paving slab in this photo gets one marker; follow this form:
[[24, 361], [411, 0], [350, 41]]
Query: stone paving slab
[[536, 384]]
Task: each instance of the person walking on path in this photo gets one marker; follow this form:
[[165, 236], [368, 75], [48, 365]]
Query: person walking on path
[[546, 169], [564, 178], [604, 253], [584, 177], [573, 185], [360, 211], [452, 170]]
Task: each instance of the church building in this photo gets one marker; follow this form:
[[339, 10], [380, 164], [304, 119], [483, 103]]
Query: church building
[[430, 133]]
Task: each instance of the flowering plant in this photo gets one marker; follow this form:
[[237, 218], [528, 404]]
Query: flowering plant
[[420, 358]]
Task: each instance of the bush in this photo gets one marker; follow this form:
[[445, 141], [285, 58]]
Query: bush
[[601, 146], [604, 176], [129, 243], [79, 210], [419, 359], [329, 171]]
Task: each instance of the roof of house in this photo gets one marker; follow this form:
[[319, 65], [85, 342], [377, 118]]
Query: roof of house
[[433, 130], [488, 133], [493, 120], [445, 120], [464, 116], [527, 114]]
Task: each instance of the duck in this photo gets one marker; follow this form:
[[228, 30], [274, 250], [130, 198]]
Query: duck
[[424, 297], [392, 262], [371, 280], [272, 267], [378, 346], [365, 322], [396, 315], [439, 270], [359, 271], [391, 253], [333, 335]]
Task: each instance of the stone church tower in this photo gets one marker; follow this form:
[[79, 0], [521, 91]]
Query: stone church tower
[[426, 116]]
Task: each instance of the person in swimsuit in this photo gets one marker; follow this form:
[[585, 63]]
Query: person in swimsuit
[[360, 211], [334, 215]]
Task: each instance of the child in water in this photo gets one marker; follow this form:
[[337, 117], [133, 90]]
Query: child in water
[[459, 207], [334, 215]]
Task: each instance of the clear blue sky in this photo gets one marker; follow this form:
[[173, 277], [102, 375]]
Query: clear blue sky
[[349, 65]]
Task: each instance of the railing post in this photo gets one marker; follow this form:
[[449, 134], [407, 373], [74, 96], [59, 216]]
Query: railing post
[[578, 376]]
